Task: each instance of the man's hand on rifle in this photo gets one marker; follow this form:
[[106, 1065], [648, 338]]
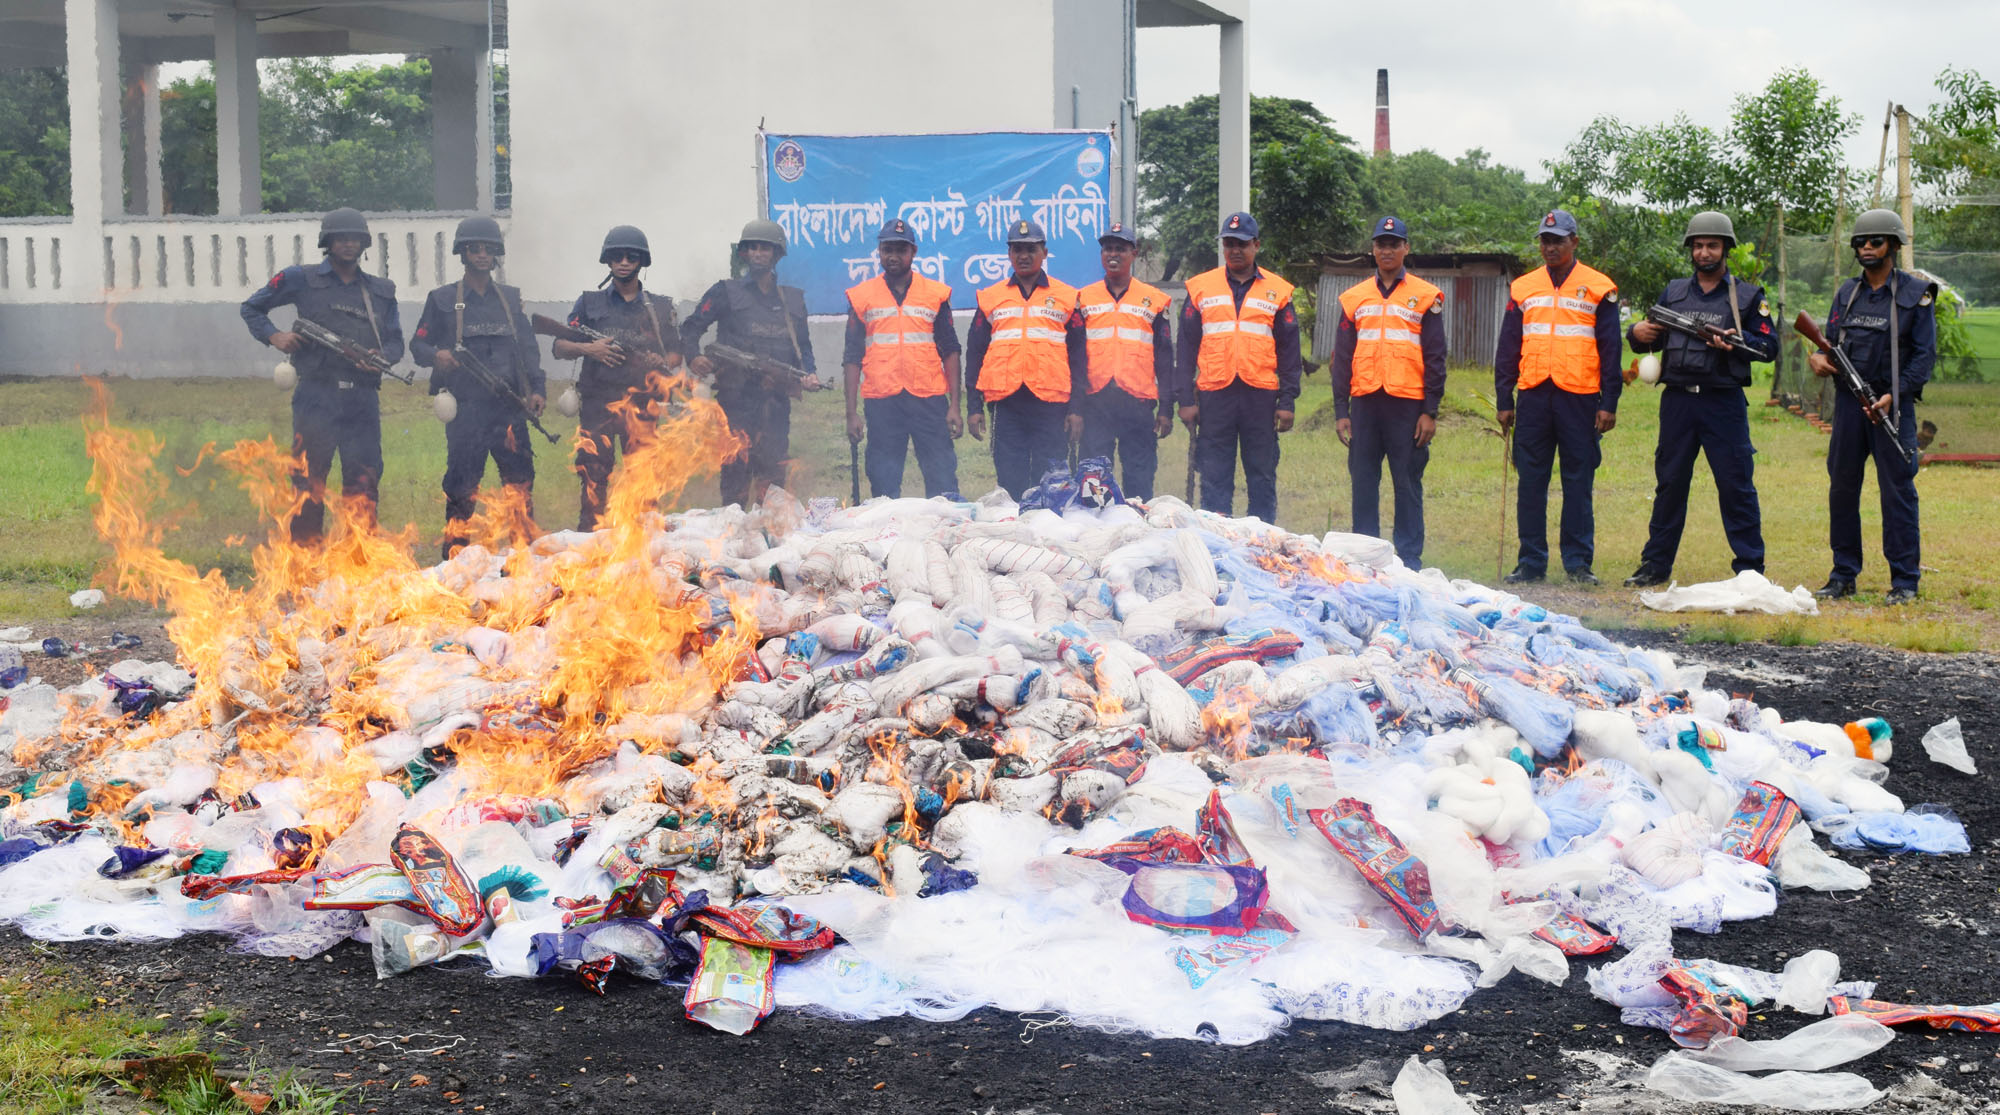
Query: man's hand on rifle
[[1646, 332], [446, 361], [287, 342], [1723, 338], [812, 383], [536, 404], [1820, 364], [605, 353], [702, 367], [856, 428], [1881, 407]]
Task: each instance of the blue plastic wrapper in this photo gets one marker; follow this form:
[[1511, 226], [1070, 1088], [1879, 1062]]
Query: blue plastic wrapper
[[1057, 491]]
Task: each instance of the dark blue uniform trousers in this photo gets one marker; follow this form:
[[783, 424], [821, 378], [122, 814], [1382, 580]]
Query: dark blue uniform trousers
[[1027, 435], [903, 421], [329, 419], [1115, 420], [1853, 442], [485, 427], [1242, 416], [1548, 419], [1715, 423], [1386, 427]]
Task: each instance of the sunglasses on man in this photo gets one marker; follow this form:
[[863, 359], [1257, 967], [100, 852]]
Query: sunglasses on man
[[1867, 241], [621, 257]]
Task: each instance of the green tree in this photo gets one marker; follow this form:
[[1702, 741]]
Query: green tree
[[331, 136], [1178, 173], [187, 144], [1958, 157], [34, 142], [1462, 205]]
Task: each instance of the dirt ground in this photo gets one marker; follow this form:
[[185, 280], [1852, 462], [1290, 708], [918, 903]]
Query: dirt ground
[[455, 1039]]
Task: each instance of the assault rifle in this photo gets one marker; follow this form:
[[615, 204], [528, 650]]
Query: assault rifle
[[581, 334], [367, 360], [1676, 322], [491, 380], [1849, 378], [776, 371]]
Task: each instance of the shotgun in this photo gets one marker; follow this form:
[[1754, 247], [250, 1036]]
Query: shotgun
[[1194, 436], [1850, 379]]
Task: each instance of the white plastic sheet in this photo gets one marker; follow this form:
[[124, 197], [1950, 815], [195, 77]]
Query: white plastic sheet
[[1748, 591], [1945, 743], [1683, 1077]]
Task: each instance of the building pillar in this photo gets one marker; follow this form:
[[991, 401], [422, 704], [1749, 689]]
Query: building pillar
[[239, 180], [147, 194], [484, 153], [96, 179], [456, 114], [1233, 133]]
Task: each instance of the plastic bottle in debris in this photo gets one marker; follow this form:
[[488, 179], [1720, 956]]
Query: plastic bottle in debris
[[12, 671]]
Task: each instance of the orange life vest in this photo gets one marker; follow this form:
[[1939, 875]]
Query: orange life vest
[[1559, 327], [1027, 348], [1237, 344], [1119, 336], [901, 354], [1388, 341]]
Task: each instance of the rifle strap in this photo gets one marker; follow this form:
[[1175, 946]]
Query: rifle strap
[[368, 305], [1895, 360], [659, 334], [513, 330], [1735, 310]]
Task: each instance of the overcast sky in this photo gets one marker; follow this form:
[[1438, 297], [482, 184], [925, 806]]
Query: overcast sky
[[1520, 80]]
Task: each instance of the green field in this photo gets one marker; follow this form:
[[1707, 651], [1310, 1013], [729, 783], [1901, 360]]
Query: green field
[[50, 548]]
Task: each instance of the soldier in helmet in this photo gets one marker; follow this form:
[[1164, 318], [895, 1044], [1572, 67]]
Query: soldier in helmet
[[621, 384], [484, 318], [1886, 321], [335, 408], [758, 316], [1702, 408]]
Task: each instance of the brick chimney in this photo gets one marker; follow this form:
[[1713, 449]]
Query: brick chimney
[[1381, 112]]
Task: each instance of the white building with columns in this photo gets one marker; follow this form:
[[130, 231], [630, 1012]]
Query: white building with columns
[[618, 111]]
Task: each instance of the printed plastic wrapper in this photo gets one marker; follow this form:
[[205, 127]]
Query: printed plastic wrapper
[[733, 990], [1984, 1019]]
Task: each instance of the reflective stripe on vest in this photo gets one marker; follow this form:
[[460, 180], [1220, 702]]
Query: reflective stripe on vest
[[1559, 327], [1028, 346], [1237, 344], [901, 349], [1119, 332], [1388, 346]]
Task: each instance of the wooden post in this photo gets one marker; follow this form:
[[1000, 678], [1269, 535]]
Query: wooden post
[[1882, 160], [1784, 323], [1903, 200]]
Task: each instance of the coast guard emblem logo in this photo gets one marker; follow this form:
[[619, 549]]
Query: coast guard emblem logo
[[1388, 226], [1549, 221], [789, 160], [1235, 222], [1021, 229], [1411, 301]]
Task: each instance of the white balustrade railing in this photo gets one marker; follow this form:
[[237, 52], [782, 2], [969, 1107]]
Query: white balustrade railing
[[202, 259]]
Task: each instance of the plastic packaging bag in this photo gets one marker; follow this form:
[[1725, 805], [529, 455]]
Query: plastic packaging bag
[[1945, 743], [1684, 1078], [1822, 1045], [1424, 1089], [1748, 591]]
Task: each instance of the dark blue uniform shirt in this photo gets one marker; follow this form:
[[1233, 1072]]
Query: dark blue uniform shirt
[[944, 331], [506, 347], [980, 334], [1430, 339], [1610, 350], [631, 325], [1687, 362], [1862, 328], [320, 296], [1284, 332]]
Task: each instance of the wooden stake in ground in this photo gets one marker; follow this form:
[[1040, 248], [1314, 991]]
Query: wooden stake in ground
[[1506, 465]]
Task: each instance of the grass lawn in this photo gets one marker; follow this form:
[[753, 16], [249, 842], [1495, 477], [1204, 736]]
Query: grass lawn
[[48, 547]]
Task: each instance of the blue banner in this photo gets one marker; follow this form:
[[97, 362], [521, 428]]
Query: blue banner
[[960, 194]]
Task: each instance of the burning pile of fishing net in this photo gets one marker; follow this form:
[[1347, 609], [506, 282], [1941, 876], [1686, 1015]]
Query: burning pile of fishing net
[[1151, 768]]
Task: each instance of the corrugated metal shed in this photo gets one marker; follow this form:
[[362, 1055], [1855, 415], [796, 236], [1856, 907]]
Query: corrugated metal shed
[[1475, 298]]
